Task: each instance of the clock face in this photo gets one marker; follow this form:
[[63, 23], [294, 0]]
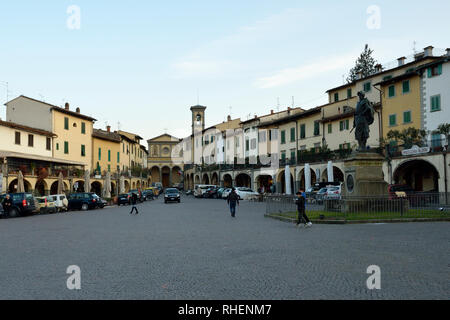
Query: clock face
[[350, 183]]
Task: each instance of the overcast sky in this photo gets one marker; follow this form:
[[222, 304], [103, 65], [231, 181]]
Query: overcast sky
[[144, 63]]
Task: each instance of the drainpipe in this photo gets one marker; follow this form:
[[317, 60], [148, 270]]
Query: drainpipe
[[445, 177]]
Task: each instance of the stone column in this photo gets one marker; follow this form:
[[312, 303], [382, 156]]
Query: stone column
[[330, 171], [307, 176]]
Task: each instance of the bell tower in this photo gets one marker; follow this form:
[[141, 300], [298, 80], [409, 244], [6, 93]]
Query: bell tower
[[198, 118]]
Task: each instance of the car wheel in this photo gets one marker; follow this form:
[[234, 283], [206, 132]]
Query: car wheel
[[84, 207], [179, 201], [13, 213]]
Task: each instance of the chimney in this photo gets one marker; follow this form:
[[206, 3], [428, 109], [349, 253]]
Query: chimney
[[78, 110], [379, 68], [66, 106], [271, 111], [229, 118], [401, 61], [428, 51], [256, 116]]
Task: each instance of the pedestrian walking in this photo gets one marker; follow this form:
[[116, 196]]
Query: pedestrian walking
[[301, 208], [133, 203], [232, 200], [7, 203]]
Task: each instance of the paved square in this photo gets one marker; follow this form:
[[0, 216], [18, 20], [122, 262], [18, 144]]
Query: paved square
[[195, 250]]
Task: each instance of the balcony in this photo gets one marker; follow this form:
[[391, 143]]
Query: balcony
[[424, 147]]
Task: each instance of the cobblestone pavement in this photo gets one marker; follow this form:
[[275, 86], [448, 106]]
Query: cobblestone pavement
[[195, 250]]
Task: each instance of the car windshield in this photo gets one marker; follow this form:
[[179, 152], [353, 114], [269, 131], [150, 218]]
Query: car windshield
[[323, 190], [171, 191]]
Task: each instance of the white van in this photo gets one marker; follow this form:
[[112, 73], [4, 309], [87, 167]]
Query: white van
[[61, 201], [200, 189]]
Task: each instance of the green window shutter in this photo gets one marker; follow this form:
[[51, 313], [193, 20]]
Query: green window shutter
[[440, 69], [347, 124], [66, 147], [330, 128], [292, 155], [407, 117], [283, 155], [348, 146], [83, 128], [57, 146], [430, 73], [436, 103], [109, 155], [392, 120], [109, 168], [406, 86], [391, 91], [349, 93], [118, 157], [99, 153], [341, 125], [303, 131], [292, 134], [66, 123], [336, 97], [283, 137], [316, 128], [83, 150]]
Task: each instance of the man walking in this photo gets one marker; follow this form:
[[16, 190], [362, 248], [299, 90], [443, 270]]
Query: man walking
[[232, 200], [7, 203], [133, 203], [301, 208]]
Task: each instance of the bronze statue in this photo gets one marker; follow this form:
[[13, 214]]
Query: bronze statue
[[364, 117]]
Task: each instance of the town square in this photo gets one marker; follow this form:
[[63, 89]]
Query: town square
[[194, 151]]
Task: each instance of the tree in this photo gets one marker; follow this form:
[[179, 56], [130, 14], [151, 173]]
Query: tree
[[444, 129], [365, 65], [409, 137]]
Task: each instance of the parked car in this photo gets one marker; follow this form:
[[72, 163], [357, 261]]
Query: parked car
[[226, 193], [172, 195], [46, 205], [189, 193], [219, 193], [61, 202], [123, 198], [85, 201], [154, 190], [148, 195], [246, 193], [395, 190], [211, 193], [333, 193], [201, 189], [23, 204], [2, 212], [320, 195]]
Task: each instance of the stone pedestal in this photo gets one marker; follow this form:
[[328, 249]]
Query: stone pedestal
[[364, 175]]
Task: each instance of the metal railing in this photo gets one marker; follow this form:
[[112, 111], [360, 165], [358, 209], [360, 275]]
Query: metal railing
[[417, 205]]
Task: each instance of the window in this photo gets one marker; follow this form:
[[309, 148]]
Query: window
[[109, 168], [303, 131], [49, 144], [57, 146], [330, 128], [83, 150], [66, 123], [83, 128], [283, 155], [99, 153], [283, 137], [435, 103], [391, 91], [30, 140], [261, 136], [436, 140], [336, 97], [406, 86], [349, 93], [407, 117], [316, 128], [66, 147], [344, 125], [17, 138], [292, 134], [109, 155], [292, 154], [344, 146], [435, 71], [247, 145], [393, 120], [253, 144], [367, 87], [118, 157]]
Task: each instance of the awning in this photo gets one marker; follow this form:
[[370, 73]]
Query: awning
[[10, 154]]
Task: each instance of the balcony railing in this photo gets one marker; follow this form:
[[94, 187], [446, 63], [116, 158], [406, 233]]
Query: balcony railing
[[423, 147]]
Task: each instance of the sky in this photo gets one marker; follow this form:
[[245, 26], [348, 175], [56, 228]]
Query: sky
[[141, 65]]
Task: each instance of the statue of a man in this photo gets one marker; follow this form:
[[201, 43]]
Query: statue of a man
[[364, 117]]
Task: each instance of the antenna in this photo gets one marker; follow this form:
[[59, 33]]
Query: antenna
[[414, 46], [118, 125], [293, 102], [278, 103]]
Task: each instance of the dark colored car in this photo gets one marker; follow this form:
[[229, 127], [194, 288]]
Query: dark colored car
[[172, 195], [23, 204], [211, 193], [123, 198], [148, 194], [138, 193], [85, 201], [2, 212], [219, 193]]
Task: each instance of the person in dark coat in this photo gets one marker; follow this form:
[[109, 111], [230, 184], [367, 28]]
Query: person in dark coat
[[301, 209], [7, 204], [232, 200], [134, 199]]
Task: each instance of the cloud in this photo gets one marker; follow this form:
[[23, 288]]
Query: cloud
[[303, 72]]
